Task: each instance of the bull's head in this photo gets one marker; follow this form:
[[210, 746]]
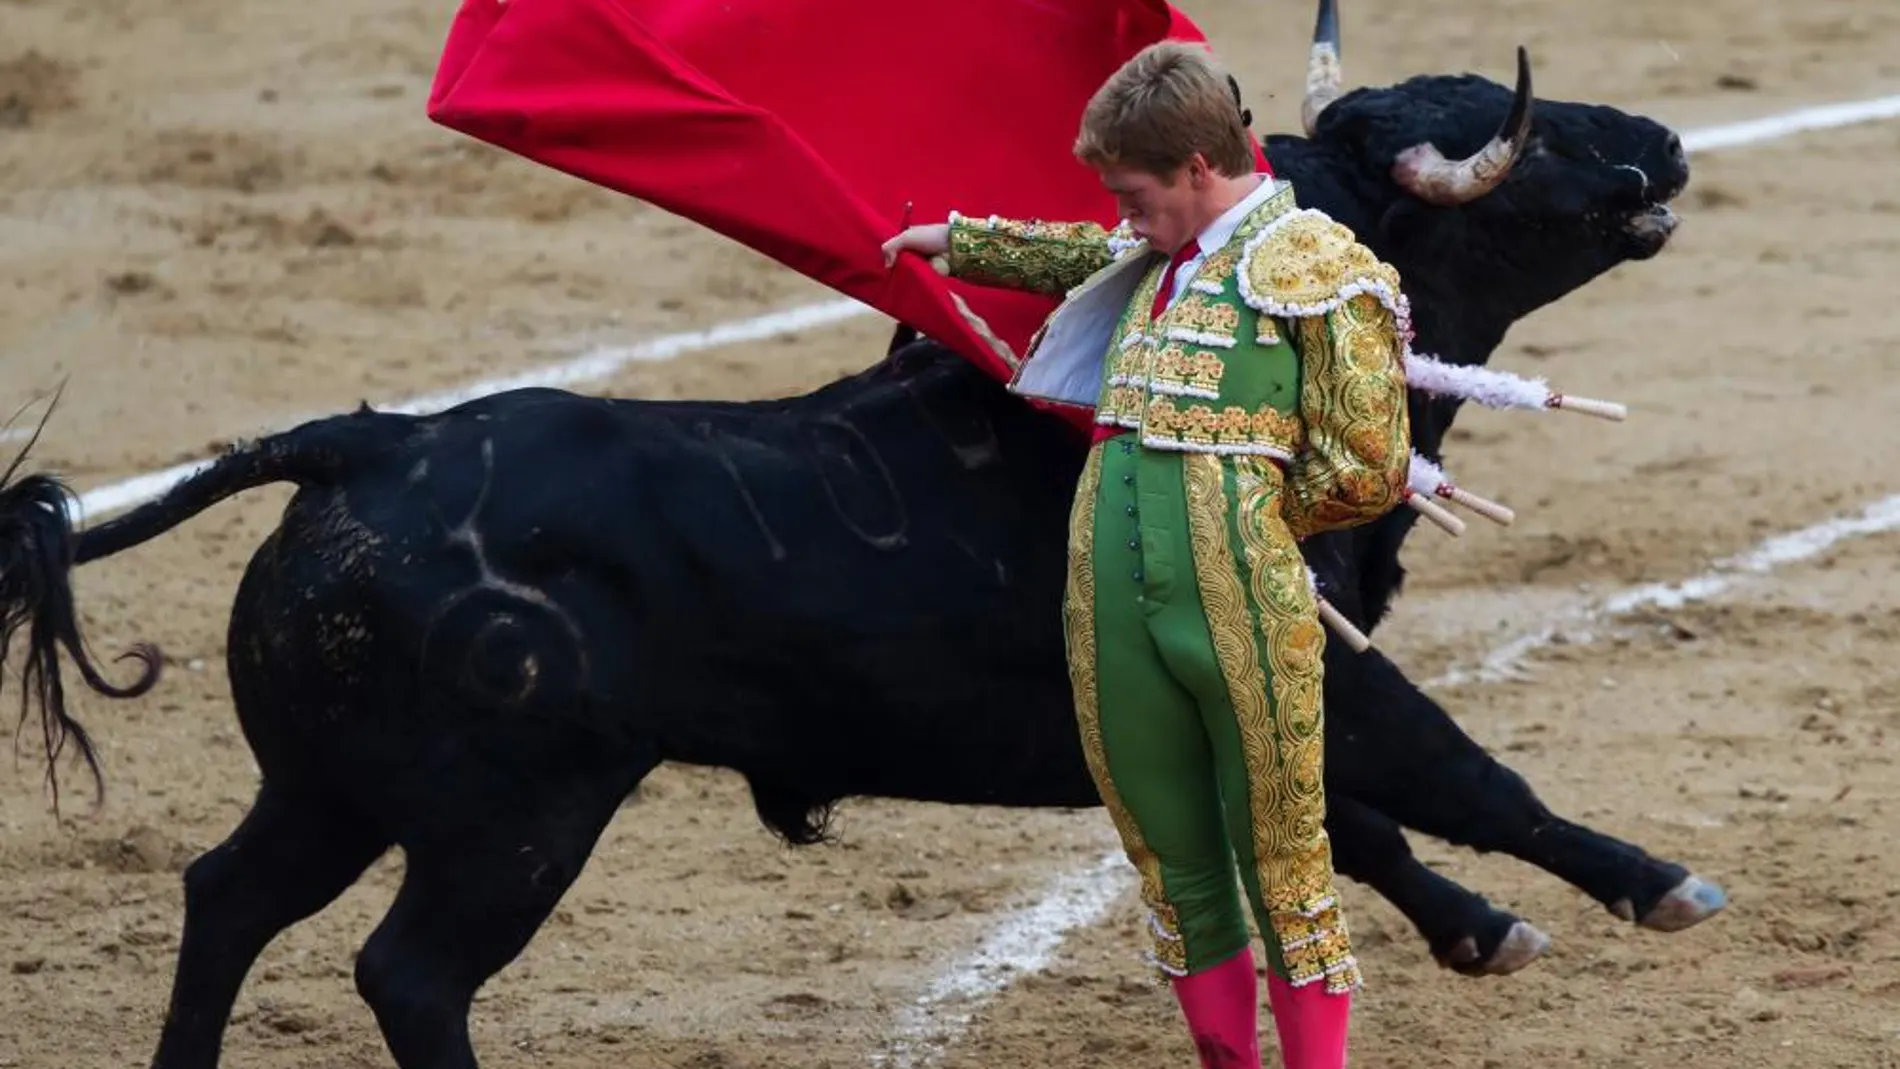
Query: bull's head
[[1464, 183]]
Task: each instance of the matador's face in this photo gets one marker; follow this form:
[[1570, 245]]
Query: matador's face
[[1166, 210]]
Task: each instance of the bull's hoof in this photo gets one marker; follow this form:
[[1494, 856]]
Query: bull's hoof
[[1693, 901], [1523, 944]]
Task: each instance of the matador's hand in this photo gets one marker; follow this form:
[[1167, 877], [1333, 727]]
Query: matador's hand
[[932, 240]]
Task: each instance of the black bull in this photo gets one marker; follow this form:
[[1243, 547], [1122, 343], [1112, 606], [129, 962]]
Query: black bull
[[473, 633]]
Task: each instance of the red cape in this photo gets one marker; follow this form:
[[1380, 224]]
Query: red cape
[[803, 129]]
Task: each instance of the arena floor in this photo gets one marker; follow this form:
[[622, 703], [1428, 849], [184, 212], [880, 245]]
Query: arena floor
[[219, 216]]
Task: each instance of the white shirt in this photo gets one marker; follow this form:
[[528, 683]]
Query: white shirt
[[1218, 233]]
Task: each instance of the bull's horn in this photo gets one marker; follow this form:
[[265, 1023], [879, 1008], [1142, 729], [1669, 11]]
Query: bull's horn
[[1429, 176], [1323, 74]]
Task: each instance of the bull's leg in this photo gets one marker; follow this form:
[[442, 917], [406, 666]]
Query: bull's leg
[[291, 856], [1464, 931], [477, 886], [1393, 748]]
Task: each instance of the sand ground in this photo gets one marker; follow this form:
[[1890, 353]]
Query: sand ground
[[217, 216]]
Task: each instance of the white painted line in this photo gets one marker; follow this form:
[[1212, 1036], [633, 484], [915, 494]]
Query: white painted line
[[589, 366], [1825, 117], [1022, 943], [600, 363], [1505, 662], [923, 1048]]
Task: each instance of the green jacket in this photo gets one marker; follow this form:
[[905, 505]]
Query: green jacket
[[1289, 343]]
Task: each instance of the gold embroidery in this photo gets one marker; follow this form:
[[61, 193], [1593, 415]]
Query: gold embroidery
[[1265, 330], [1291, 844], [1079, 626], [1278, 204], [1134, 365], [1204, 370], [1303, 263], [1129, 361], [1204, 315], [1235, 426], [1352, 397], [1273, 427], [1219, 266], [1112, 365], [1280, 740], [1043, 257], [1170, 367], [1198, 424], [1128, 403], [1167, 423], [1120, 404], [1144, 298], [1161, 420], [1249, 475]]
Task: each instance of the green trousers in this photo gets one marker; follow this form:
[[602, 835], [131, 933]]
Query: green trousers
[[1195, 652]]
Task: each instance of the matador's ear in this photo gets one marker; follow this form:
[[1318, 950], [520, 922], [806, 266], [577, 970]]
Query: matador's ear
[[1246, 116]]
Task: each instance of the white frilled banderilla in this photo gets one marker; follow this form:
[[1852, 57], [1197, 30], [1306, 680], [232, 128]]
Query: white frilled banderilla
[[1428, 483]]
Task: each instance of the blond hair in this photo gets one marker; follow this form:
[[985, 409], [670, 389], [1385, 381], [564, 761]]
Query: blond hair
[[1172, 100]]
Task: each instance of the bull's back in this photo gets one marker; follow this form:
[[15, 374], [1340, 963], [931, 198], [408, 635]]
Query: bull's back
[[735, 582]]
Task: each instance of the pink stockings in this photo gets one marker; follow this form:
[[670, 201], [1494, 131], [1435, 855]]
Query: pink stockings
[[1221, 1006], [1310, 1022]]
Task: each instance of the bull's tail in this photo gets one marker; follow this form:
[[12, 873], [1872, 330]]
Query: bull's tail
[[39, 549]]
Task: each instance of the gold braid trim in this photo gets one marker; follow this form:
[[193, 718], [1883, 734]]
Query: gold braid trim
[[1170, 951], [1358, 433], [1312, 929], [1281, 740], [1352, 322]]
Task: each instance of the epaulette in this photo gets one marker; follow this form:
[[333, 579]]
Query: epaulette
[[1305, 264]]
